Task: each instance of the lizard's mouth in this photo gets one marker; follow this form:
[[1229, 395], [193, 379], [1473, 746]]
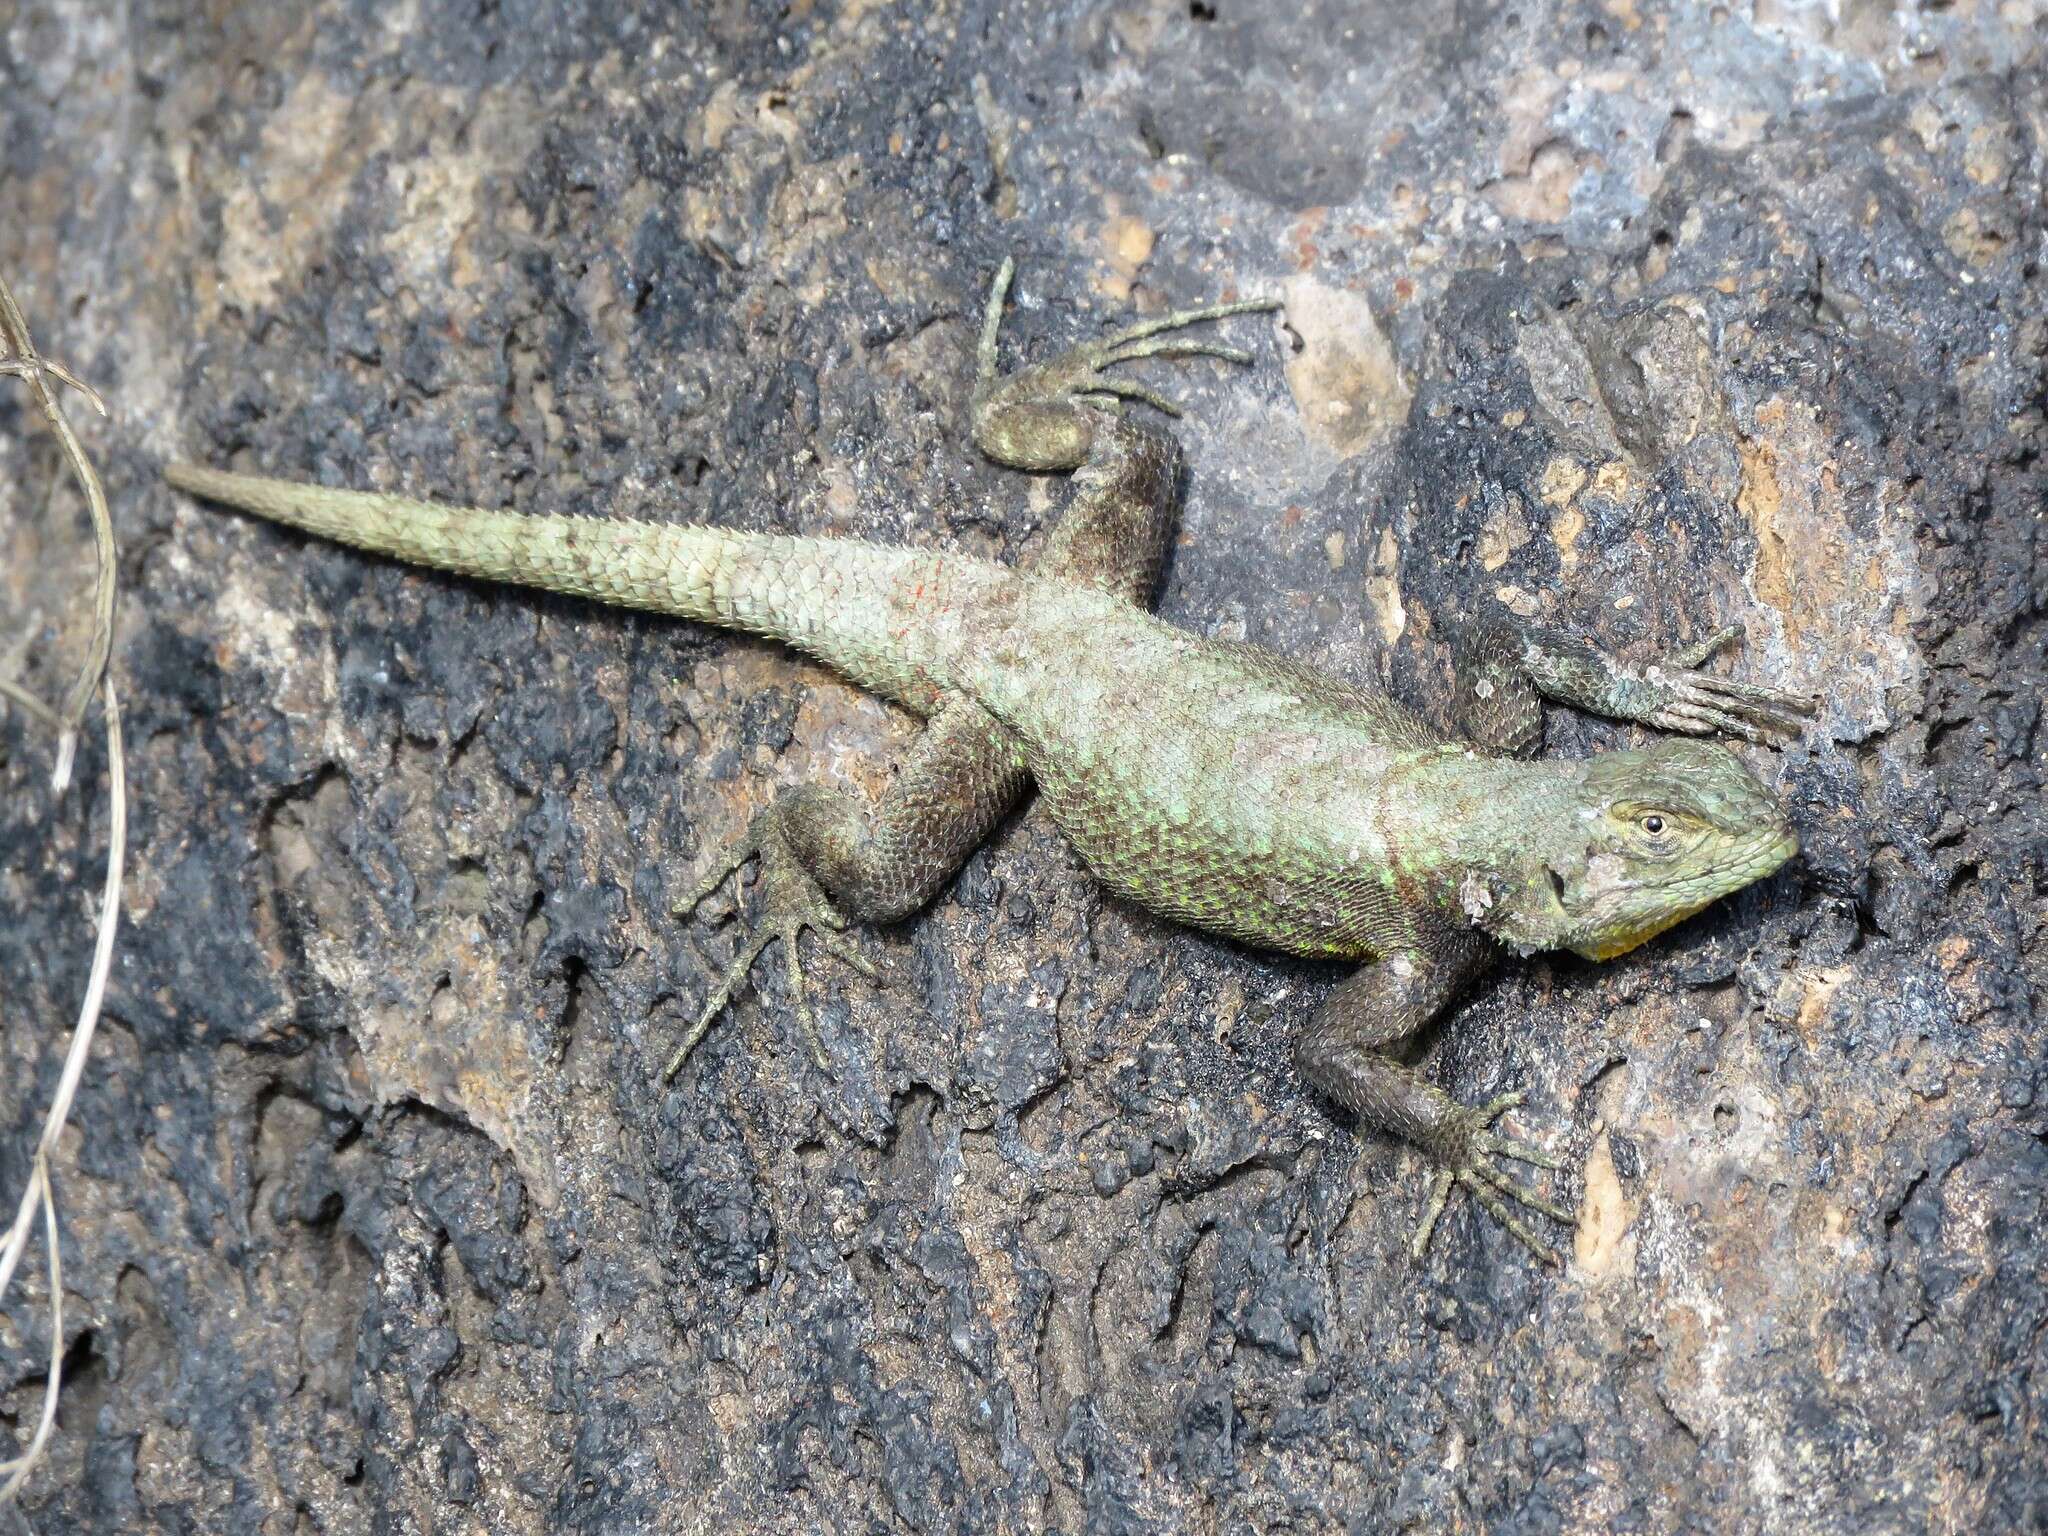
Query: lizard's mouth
[[1634, 910], [1781, 849], [1771, 855]]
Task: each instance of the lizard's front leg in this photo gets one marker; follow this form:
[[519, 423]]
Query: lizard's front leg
[[1506, 669], [825, 861], [1342, 1050]]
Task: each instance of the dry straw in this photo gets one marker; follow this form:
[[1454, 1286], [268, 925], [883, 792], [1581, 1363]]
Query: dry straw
[[46, 381]]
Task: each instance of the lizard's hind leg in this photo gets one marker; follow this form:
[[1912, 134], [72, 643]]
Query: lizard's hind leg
[[1064, 414], [826, 861], [1034, 418]]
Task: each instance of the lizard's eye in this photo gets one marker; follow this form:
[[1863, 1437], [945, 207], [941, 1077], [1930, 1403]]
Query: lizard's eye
[[1657, 833]]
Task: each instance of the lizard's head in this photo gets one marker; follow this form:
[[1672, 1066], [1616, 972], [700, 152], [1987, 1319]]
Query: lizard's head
[[1651, 837]]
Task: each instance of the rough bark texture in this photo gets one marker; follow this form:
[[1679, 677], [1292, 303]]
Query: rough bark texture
[[1644, 320]]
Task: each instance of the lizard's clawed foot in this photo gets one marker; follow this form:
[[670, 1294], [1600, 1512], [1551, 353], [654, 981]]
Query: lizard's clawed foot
[[790, 902], [1699, 704], [1078, 374], [1468, 1153]]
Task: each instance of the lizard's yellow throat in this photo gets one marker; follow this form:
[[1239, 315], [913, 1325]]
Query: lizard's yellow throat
[[1621, 941]]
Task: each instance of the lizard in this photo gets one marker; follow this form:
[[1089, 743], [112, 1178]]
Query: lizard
[[1214, 782]]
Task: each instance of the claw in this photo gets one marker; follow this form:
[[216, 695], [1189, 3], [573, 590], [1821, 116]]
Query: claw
[[1439, 1195], [1520, 1151], [1080, 373], [793, 954], [790, 903], [26, 368], [1765, 706], [1488, 1185], [1148, 338], [1500, 1184], [1756, 693], [1491, 1204], [728, 984], [846, 950], [1702, 703]]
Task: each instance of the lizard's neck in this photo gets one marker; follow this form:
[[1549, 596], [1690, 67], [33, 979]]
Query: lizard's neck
[[1465, 829]]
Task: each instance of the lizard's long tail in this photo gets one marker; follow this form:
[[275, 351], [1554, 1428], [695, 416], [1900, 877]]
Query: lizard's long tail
[[894, 620]]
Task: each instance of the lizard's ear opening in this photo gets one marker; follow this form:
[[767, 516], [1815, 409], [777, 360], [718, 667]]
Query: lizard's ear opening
[[1527, 912]]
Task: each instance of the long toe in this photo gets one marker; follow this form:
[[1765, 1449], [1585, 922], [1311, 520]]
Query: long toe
[[730, 864], [1693, 655], [697, 1032], [1504, 1186], [1766, 706], [1493, 1206], [1756, 693], [800, 994], [845, 949], [1439, 1193], [1186, 317], [1702, 720], [1173, 347], [1469, 1155], [1520, 1151], [1126, 390], [715, 1004]]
